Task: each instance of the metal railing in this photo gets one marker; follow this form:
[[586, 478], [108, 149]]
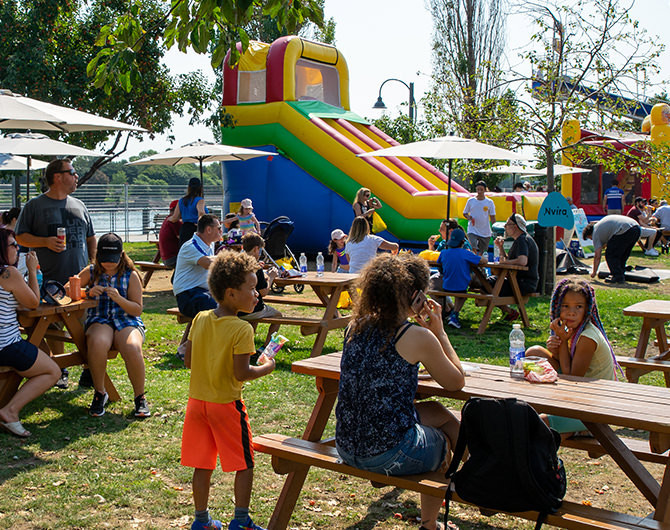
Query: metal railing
[[127, 209]]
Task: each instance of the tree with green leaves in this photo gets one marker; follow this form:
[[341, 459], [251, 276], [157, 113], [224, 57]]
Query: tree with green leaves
[[582, 55], [47, 45], [205, 26]]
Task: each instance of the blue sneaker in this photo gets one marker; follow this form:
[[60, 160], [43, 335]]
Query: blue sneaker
[[246, 525], [211, 524], [454, 322]]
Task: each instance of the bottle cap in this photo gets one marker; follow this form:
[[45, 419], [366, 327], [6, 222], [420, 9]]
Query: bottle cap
[[516, 326]]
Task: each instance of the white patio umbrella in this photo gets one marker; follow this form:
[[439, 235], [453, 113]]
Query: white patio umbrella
[[450, 148], [20, 112], [565, 170], [19, 163], [29, 144], [513, 170], [200, 152]]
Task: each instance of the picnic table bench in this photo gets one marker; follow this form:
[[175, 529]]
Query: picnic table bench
[[489, 296], [655, 314], [149, 267], [327, 289], [597, 403]]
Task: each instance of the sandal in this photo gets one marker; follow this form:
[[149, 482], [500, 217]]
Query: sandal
[[15, 428]]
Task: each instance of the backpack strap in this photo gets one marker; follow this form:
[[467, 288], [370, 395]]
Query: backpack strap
[[518, 436]]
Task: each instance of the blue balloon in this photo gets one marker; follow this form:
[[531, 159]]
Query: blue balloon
[[555, 211]]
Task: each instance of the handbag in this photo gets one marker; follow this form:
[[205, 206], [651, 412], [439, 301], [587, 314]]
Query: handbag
[[378, 224]]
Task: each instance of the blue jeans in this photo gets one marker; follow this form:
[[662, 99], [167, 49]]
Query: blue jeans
[[421, 450]]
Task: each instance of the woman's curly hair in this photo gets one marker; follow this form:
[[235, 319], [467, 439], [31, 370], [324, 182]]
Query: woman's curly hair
[[387, 285]]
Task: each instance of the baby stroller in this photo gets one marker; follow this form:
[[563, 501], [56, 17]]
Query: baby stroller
[[276, 251]]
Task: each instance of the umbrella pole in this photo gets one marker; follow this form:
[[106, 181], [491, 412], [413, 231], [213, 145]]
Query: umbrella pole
[[449, 191], [28, 179]]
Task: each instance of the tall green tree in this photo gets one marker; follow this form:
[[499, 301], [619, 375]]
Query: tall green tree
[[582, 52], [205, 26], [46, 46]]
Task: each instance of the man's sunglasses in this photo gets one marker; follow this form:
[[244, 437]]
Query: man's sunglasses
[[70, 171]]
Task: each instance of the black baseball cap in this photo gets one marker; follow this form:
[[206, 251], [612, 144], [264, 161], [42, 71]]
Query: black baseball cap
[[110, 247]]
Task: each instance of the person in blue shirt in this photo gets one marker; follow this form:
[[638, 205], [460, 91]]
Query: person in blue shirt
[[613, 199], [455, 262]]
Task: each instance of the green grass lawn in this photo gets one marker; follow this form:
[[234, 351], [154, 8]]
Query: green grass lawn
[[118, 472]]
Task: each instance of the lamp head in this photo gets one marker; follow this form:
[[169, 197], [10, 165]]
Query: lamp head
[[379, 104]]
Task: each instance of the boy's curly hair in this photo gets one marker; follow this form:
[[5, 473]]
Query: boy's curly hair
[[387, 285], [229, 270]]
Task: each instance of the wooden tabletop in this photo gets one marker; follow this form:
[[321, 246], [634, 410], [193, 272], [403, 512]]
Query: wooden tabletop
[[329, 279], [649, 309], [593, 400], [47, 309]]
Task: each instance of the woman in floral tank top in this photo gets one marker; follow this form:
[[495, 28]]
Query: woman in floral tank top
[[379, 426]]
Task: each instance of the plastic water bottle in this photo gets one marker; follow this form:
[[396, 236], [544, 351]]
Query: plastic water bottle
[[303, 263], [517, 351], [496, 254], [40, 277], [319, 264]]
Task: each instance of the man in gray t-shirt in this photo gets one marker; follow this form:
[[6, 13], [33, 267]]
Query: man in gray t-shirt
[[618, 235], [37, 227], [42, 216]]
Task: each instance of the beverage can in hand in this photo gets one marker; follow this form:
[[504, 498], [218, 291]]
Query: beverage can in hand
[[60, 234]]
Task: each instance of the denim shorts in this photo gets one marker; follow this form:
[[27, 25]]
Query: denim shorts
[[421, 450], [20, 355], [194, 300]]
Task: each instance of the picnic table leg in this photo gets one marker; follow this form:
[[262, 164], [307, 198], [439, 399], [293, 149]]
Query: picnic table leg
[[495, 292], [315, 426], [147, 277], [662, 512], [627, 461], [330, 297], [519, 298], [633, 374]]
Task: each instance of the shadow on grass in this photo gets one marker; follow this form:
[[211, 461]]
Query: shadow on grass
[[53, 433]]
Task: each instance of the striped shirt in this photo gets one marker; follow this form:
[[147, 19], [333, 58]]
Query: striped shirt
[[247, 223], [9, 323], [109, 312], [342, 256]]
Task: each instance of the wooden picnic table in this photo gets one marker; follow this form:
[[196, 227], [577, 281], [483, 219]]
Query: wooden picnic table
[[598, 403], [655, 314], [328, 289], [36, 324], [490, 295]]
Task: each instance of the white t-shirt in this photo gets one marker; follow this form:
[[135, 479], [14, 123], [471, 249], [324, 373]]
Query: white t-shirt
[[663, 216], [480, 211], [362, 252]]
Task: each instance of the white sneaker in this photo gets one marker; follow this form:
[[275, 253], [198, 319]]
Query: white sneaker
[[651, 252]]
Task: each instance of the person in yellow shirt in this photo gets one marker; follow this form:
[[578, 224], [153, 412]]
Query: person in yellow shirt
[[218, 349]]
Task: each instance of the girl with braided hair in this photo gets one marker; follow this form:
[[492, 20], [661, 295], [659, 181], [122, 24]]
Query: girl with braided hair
[[578, 343]]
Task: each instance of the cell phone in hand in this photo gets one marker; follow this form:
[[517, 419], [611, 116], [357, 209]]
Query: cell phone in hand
[[418, 302]]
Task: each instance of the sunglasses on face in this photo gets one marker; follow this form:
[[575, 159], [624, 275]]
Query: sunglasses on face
[[70, 171], [14, 244]]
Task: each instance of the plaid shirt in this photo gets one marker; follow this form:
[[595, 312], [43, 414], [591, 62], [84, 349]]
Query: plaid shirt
[[109, 312]]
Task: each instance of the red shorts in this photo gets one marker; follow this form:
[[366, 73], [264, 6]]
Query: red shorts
[[212, 429]]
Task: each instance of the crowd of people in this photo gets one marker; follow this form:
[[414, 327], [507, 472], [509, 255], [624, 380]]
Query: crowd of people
[[393, 331]]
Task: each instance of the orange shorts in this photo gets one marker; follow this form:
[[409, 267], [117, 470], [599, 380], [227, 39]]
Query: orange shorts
[[212, 429]]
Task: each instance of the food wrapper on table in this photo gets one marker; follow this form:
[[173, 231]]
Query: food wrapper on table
[[539, 371]]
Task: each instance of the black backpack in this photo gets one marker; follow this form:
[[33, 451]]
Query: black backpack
[[513, 465]]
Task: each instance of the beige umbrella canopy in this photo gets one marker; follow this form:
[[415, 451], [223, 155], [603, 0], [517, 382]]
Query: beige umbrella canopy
[[20, 112], [30, 144], [449, 148], [19, 163]]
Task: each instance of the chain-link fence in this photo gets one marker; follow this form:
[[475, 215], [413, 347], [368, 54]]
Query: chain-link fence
[[130, 210]]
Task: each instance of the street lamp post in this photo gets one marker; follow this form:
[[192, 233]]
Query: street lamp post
[[412, 104]]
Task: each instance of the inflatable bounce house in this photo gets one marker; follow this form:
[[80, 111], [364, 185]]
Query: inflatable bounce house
[[292, 97], [587, 189]]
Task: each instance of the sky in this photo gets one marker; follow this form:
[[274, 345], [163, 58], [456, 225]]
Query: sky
[[383, 39]]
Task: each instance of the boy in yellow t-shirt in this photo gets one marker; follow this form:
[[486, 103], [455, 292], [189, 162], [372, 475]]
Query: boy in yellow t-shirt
[[217, 352]]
